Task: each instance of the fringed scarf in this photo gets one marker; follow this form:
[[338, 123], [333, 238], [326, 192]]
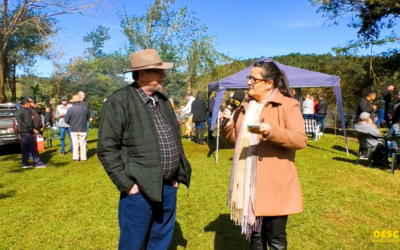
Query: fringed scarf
[[242, 185]]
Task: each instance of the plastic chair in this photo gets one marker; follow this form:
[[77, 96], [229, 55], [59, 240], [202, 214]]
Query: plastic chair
[[52, 133], [394, 154], [362, 139]]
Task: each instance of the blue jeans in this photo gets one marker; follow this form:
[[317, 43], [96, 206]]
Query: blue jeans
[[62, 139], [308, 116], [199, 125], [142, 221], [28, 146], [321, 118], [383, 115], [87, 130]]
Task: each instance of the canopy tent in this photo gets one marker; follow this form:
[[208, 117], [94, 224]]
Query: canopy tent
[[297, 77]]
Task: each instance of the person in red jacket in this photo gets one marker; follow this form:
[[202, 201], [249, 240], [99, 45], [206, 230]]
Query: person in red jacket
[[315, 105]]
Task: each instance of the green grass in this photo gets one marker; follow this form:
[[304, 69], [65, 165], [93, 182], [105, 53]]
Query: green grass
[[74, 205]]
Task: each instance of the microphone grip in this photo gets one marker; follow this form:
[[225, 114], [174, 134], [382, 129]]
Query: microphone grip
[[225, 121]]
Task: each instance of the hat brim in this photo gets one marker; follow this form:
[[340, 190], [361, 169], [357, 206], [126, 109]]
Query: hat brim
[[165, 65], [73, 101]]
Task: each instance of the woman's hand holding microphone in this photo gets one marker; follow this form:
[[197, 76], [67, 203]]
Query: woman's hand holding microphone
[[227, 114]]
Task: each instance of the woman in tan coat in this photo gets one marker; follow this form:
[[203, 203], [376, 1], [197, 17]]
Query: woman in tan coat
[[264, 187]]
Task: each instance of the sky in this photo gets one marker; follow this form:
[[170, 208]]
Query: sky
[[244, 29]]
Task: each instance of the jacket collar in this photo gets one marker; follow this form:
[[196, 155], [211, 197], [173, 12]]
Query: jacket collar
[[277, 99]]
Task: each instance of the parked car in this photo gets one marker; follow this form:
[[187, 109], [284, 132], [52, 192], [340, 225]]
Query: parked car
[[8, 124]]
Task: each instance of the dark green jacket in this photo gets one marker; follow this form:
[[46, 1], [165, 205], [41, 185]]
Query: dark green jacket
[[128, 146]]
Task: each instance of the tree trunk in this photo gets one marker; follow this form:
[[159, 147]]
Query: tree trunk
[[3, 97]]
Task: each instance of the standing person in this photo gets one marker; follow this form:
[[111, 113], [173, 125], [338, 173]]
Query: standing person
[[365, 104], [385, 100], [27, 134], [308, 108], [49, 114], [322, 111], [315, 105], [81, 96], [37, 120], [187, 110], [211, 104], [199, 111], [61, 111], [139, 145], [264, 187], [77, 117], [396, 110]]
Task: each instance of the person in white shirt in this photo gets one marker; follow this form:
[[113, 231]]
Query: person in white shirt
[[63, 126], [188, 111], [308, 108]]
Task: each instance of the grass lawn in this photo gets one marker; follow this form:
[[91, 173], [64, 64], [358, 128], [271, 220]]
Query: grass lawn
[[74, 205]]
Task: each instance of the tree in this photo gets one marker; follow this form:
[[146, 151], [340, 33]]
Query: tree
[[97, 38], [370, 17], [179, 37], [23, 47], [30, 13]]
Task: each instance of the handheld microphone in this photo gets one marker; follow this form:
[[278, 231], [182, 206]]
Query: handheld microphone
[[234, 103]]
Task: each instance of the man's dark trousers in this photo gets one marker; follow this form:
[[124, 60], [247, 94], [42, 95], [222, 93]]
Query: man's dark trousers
[[146, 222], [28, 146]]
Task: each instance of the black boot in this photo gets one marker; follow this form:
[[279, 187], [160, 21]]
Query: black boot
[[196, 134], [201, 136]]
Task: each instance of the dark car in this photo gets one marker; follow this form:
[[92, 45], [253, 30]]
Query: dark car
[[8, 124]]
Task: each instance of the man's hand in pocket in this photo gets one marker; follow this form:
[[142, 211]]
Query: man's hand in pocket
[[134, 189]]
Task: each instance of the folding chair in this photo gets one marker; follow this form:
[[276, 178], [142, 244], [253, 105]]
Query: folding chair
[[310, 126], [52, 133], [395, 153]]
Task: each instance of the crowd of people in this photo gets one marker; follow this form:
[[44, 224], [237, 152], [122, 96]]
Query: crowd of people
[[313, 109], [371, 114], [71, 118]]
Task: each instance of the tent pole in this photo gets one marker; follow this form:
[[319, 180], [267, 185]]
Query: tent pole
[[336, 116], [208, 125], [218, 123]]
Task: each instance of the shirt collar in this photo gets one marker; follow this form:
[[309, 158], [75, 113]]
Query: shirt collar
[[146, 99]]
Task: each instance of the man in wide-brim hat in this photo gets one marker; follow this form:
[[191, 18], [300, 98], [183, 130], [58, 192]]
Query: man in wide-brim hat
[[77, 117], [139, 146]]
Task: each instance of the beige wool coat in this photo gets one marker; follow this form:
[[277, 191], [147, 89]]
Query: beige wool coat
[[278, 190]]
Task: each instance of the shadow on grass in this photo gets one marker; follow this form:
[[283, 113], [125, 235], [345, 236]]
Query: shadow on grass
[[91, 152], [19, 169], [212, 145], [343, 149], [311, 146], [91, 141], [363, 163], [7, 194], [177, 238], [227, 234]]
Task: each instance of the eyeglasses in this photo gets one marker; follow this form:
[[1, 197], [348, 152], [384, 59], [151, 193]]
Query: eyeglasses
[[254, 80]]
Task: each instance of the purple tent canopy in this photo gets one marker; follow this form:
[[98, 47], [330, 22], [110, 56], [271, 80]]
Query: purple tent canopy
[[297, 77]]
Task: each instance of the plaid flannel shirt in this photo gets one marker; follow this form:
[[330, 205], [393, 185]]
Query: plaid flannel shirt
[[168, 144]]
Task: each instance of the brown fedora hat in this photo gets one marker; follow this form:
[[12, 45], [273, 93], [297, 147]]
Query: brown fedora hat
[[147, 59]]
